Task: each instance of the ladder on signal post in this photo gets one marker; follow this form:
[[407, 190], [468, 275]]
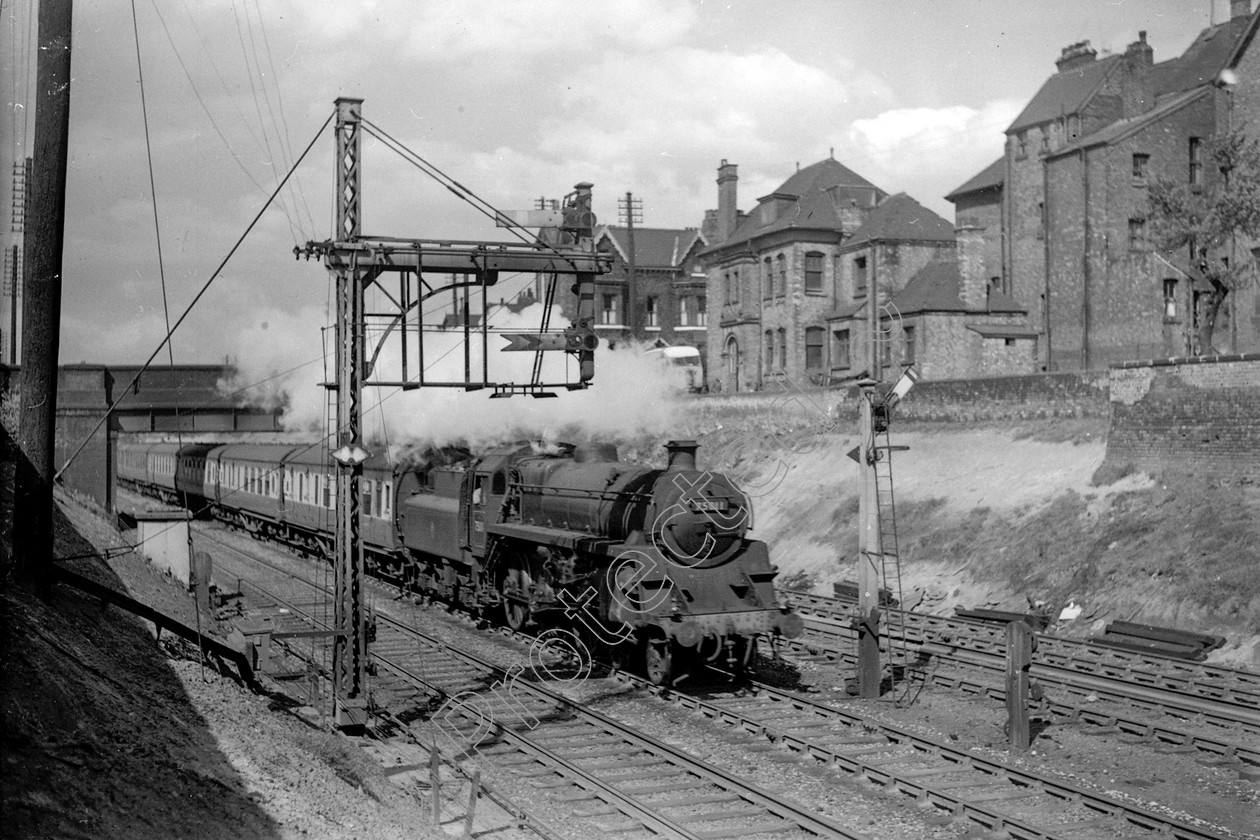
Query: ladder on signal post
[[890, 559]]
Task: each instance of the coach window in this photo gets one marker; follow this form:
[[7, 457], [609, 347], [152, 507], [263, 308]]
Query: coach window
[[369, 489], [387, 498]]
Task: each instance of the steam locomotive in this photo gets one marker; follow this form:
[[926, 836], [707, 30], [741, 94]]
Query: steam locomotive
[[647, 565]]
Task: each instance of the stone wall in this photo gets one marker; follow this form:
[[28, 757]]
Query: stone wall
[[1195, 415]]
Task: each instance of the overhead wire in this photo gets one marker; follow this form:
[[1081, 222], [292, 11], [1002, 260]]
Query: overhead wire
[[205, 287], [283, 133], [179, 58], [253, 91]]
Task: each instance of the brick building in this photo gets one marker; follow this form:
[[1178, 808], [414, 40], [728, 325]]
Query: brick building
[[1063, 214], [792, 282], [671, 304]]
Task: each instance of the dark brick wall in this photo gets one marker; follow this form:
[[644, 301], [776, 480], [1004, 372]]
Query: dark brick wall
[[1045, 395], [1198, 416]]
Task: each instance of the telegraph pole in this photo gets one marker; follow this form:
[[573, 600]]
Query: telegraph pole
[[632, 208], [41, 315]]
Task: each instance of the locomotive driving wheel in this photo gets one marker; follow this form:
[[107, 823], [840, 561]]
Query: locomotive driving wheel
[[515, 591], [658, 659]]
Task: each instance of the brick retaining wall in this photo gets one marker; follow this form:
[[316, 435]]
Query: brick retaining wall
[[1193, 415]]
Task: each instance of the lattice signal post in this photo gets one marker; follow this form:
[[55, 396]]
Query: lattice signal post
[[359, 262]]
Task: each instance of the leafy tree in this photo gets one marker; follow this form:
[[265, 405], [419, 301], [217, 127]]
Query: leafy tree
[[1214, 224]]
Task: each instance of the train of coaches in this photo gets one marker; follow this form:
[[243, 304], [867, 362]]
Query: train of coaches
[[649, 565]]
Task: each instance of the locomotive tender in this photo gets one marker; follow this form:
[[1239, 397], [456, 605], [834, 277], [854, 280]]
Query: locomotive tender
[[653, 564]]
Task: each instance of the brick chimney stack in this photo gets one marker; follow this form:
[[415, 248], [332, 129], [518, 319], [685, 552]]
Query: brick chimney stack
[[1239, 8], [728, 208], [1076, 55], [973, 285], [1139, 90]]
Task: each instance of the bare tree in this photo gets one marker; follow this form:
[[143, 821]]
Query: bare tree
[[1213, 221]]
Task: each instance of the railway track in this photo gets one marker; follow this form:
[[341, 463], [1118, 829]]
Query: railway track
[[950, 783], [1220, 700], [1211, 682], [610, 777]]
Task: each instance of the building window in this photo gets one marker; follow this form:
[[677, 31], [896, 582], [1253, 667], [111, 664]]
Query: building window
[[702, 316], [859, 277], [609, 313], [1021, 145], [1196, 162], [1141, 164], [908, 348], [781, 280], [840, 352], [1170, 298], [1137, 235], [813, 273], [767, 278], [649, 306], [682, 312], [729, 289], [769, 357], [813, 348], [733, 293], [782, 348]]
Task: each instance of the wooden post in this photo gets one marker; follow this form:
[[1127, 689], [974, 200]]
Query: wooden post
[[1018, 662], [471, 813], [435, 782], [870, 552], [41, 310]]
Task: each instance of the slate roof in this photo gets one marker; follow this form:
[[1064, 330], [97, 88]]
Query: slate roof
[[1120, 129], [993, 175], [823, 175], [817, 192], [1064, 93], [900, 217], [935, 288], [1206, 56], [654, 247]]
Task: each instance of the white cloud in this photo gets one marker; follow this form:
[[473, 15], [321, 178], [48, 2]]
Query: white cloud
[[929, 151], [508, 31]]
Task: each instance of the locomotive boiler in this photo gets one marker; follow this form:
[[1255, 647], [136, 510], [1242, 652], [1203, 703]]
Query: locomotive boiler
[[651, 564]]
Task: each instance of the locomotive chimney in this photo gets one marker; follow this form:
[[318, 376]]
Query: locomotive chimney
[[682, 454]]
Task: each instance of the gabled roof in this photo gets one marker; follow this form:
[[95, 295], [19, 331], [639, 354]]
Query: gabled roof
[[1120, 129], [816, 194], [1204, 59], [900, 217], [653, 247], [993, 175], [935, 288], [1064, 93]]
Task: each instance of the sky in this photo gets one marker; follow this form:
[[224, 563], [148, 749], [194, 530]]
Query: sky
[[515, 99]]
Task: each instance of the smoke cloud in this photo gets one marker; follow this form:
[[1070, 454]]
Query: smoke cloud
[[290, 354]]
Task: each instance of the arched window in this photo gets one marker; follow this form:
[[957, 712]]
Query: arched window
[[732, 360], [767, 278], [781, 285], [782, 349], [769, 354]]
